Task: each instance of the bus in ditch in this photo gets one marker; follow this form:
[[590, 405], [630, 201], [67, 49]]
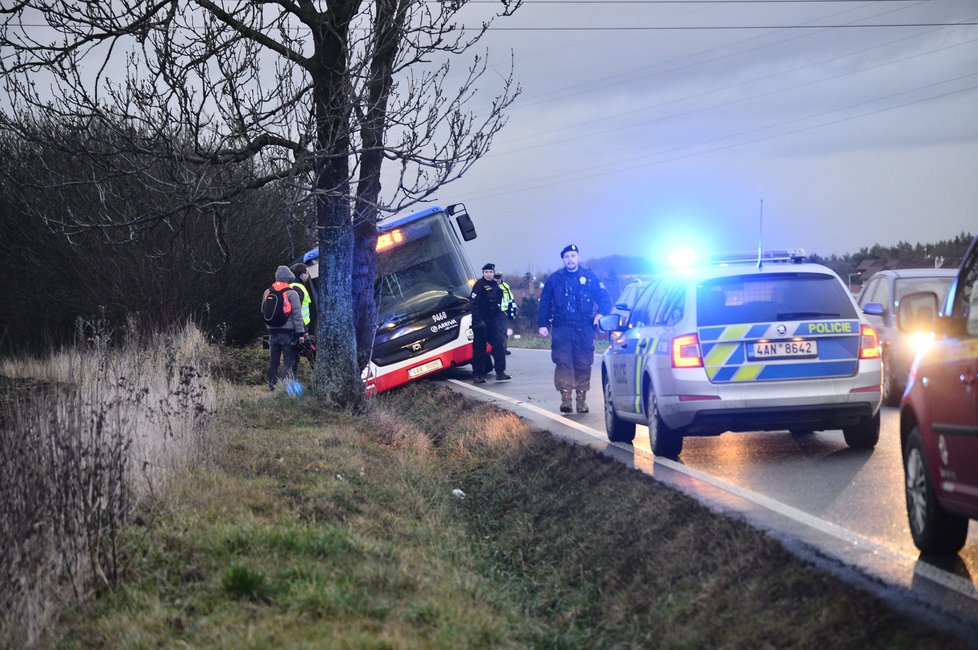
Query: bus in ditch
[[424, 278]]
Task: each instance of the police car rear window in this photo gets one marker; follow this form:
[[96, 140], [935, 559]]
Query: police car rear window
[[767, 297]]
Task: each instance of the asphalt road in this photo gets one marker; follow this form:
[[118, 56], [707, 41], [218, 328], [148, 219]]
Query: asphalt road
[[834, 505]]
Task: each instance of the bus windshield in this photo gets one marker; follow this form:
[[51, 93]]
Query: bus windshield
[[420, 267]]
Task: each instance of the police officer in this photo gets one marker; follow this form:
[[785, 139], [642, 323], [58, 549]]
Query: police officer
[[567, 304], [303, 286], [488, 325], [508, 304], [310, 297]]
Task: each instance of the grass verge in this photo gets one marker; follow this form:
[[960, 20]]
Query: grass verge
[[438, 522]]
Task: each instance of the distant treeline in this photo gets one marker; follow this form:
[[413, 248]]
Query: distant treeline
[[946, 253], [55, 278]]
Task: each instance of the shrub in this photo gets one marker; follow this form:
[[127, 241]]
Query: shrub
[[85, 436]]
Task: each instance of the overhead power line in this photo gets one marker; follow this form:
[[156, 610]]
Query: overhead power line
[[663, 28], [722, 143], [686, 2], [579, 127]]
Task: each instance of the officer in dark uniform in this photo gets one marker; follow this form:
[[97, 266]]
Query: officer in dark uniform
[[567, 305], [488, 325]]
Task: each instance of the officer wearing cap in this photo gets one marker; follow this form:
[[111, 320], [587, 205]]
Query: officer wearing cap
[[567, 311], [488, 326]]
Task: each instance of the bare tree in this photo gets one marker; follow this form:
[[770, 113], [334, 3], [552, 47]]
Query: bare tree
[[322, 95]]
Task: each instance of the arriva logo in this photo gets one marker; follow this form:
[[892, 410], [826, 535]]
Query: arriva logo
[[830, 328]]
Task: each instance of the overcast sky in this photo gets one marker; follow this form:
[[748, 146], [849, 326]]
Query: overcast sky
[[631, 138]]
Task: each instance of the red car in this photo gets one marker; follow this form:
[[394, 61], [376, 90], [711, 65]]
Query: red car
[[939, 415]]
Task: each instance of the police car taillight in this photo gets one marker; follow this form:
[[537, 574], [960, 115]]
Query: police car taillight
[[686, 352], [869, 343]]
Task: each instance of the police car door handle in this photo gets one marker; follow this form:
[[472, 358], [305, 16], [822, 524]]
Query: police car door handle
[[642, 344]]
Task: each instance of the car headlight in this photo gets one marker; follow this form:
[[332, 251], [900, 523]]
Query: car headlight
[[920, 341]]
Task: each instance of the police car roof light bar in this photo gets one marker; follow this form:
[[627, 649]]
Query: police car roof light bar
[[789, 255]]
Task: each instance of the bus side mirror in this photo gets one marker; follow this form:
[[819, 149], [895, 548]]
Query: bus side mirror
[[464, 221]]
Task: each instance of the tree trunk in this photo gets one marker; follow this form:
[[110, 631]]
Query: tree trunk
[[338, 382], [337, 372], [387, 35], [364, 274]]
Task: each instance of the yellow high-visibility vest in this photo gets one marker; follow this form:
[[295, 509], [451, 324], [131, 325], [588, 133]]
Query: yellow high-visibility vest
[[306, 301], [507, 297]]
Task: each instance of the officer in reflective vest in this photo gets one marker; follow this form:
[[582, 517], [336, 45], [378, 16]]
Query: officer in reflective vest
[[304, 287], [508, 305], [301, 277]]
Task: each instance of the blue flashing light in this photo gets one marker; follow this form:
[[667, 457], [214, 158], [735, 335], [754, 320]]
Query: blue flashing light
[[681, 249], [682, 257]]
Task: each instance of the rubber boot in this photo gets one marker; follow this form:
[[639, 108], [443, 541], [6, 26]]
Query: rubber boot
[[581, 403], [565, 401]]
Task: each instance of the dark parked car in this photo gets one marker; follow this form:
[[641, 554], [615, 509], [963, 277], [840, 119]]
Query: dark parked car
[[939, 415], [901, 344]]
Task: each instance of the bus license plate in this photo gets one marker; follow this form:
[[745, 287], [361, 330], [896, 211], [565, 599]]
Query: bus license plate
[[784, 349], [424, 368]]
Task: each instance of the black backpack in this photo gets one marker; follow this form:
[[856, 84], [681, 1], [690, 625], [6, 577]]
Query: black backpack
[[276, 308]]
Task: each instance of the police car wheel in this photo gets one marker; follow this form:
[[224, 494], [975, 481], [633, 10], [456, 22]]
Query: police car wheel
[[618, 430], [934, 530], [864, 435], [662, 440]]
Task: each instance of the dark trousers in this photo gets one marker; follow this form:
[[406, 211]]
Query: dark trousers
[[281, 345], [494, 333], [572, 349]]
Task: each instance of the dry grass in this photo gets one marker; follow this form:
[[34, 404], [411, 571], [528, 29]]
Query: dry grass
[[87, 435]]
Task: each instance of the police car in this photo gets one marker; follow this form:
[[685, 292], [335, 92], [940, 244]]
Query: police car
[[763, 343]]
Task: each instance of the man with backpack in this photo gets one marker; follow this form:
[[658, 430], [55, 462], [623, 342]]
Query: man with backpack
[[281, 309]]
